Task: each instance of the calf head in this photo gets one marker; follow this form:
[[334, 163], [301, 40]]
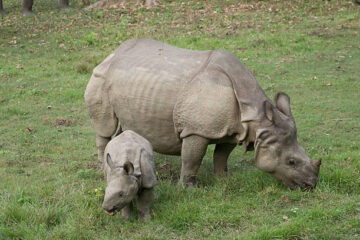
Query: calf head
[[277, 149], [122, 186]]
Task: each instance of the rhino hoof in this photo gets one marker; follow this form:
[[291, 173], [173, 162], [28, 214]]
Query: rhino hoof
[[144, 217], [188, 181]]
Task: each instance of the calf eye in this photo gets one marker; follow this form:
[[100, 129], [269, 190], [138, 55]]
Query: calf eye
[[291, 162]]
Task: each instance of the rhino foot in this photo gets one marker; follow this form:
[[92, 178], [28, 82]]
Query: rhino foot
[[144, 216], [188, 181]]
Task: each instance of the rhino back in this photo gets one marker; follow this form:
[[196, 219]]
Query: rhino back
[[145, 78], [127, 147]]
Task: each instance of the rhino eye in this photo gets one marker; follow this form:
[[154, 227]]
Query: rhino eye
[[121, 194]]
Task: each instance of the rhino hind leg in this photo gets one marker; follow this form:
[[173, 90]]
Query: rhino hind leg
[[102, 115], [143, 204], [101, 143], [192, 151], [221, 154], [126, 212]]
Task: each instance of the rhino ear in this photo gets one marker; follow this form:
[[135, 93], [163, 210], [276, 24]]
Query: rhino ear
[[272, 114], [129, 168], [269, 111], [109, 161], [283, 104], [147, 170]]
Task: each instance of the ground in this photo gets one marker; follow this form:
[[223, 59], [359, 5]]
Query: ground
[[49, 186]]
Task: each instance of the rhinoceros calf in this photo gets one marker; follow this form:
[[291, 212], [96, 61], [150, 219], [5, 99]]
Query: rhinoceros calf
[[183, 100], [130, 174]]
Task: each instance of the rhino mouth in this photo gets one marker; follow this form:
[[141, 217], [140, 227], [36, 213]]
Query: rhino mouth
[[305, 186]]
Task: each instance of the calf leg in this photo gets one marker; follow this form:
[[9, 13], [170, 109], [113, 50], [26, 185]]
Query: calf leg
[[192, 151], [64, 4], [127, 211], [27, 7], [2, 11], [143, 204], [221, 154]]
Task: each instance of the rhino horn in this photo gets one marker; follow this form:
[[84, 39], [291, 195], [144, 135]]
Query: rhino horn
[[316, 165]]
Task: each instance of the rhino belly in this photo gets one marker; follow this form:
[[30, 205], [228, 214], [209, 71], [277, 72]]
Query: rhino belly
[[143, 102]]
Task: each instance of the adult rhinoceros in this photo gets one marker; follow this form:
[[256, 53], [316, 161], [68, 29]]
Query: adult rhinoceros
[[182, 101]]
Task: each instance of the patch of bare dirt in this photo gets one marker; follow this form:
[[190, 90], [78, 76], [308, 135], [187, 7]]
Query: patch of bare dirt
[[63, 122], [59, 122], [321, 33], [165, 172]]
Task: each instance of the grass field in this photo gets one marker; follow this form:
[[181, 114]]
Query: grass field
[[49, 186]]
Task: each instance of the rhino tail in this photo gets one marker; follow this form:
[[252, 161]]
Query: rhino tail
[[120, 131]]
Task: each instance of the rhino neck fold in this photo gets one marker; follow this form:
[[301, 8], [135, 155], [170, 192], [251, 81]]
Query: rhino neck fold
[[248, 137]]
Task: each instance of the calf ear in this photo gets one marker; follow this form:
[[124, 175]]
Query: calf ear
[[109, 161], [129, 168], [283, 104]]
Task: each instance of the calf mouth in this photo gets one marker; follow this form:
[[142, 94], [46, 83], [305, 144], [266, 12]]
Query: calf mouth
[[307, 186], [110, 213]]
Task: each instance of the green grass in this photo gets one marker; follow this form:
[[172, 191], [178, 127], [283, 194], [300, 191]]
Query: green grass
[[308, 49]]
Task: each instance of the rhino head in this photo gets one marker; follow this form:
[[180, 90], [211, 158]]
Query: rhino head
[[277, 150], [122, 186]]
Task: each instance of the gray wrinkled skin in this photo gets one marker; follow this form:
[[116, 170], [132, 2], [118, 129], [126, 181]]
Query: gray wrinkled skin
[[182, 101], [130, 175], [277, 149]]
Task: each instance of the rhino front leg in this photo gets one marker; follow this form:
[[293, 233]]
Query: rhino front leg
[[101, 143], [143, 204], [192, 151], [221, 154]]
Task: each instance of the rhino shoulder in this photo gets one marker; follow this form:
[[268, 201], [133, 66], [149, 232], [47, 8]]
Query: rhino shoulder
[[207, 105]]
